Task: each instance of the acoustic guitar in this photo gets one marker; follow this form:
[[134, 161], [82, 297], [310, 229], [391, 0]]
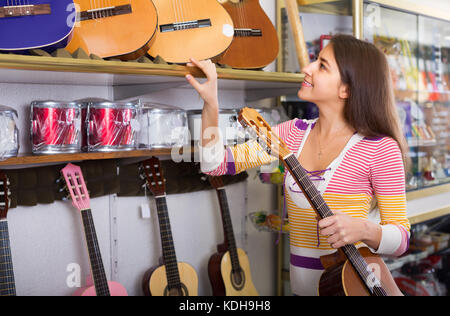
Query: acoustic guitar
[[229, 268], [7, 283], [115, 28], [31, 24], [349, 271], [201, 29], [255, 43], [172, 278], [80, 199]]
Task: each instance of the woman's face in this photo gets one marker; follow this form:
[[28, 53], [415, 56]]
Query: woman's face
[[322, 83]]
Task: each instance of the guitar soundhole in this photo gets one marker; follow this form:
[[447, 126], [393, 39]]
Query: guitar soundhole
[[176, 291], [237, 279]]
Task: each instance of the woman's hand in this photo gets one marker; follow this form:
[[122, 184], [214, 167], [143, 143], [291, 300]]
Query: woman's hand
[[342, 229], [208, 89]]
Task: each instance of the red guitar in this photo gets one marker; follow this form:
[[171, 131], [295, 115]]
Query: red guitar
[[80, 199]]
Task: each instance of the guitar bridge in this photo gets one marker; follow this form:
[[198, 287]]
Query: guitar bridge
[[105, 12], [24, 10], [179, 26], [247, 32]]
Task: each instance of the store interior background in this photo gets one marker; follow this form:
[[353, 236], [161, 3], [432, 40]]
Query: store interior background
[[47, 241]]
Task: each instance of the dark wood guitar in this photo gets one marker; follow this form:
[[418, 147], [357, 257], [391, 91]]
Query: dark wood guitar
[[349, 271], [80, 199], [229, 268], [255, 43], [7, 284], [173, 278]]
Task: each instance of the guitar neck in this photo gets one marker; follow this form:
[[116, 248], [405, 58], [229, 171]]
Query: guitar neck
[[7, 284], [168, 248], [320, 206], [95, 257], [228, 228]]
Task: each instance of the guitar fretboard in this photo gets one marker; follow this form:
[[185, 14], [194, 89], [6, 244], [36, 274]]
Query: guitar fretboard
[[318, 203], [7, 284], [168, 248], [95, 257], [228, 229]]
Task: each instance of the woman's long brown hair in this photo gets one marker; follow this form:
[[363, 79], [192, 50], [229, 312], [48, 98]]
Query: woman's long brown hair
[[370, 108]]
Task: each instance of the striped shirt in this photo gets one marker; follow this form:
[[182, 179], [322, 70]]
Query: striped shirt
[[367, 168]]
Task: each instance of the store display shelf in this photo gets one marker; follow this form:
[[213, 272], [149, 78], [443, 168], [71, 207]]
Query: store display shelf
[[130, 79], [29, 159]]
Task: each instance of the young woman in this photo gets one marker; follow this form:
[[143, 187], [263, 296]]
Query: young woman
[[354, 152]]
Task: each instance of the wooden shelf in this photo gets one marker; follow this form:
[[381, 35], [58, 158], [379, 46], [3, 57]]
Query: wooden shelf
[[61, 158], [130, 79]]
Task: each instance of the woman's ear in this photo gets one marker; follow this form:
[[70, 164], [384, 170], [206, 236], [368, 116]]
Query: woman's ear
[[344, 91]]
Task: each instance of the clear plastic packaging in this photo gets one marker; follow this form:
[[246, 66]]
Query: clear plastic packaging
[[55, 127], [110, 126], [162, 126], [9, 133], [231, 130]]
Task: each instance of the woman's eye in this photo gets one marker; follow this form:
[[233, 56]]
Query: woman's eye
[[322, 66]]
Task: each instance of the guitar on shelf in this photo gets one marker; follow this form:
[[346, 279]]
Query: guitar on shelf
[[32, 24], [115, 28], [255, 43], [229, 268], [7, 284], [349, 271], [80, 200], [198, 29], [172, 278]]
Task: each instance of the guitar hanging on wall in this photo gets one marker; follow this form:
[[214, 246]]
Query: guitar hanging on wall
[[349, 271], [32, 24], [229, 268], [80, 200], [255, 43], [7, 283], [115, 28], [172, 278], [201, 29]]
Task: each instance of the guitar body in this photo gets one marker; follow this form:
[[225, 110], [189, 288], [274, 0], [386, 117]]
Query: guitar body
[[250, 49], [341, 279], [198, 29], [242, 286], [126, 33], [155, 281], [49, 26], [115, 289]]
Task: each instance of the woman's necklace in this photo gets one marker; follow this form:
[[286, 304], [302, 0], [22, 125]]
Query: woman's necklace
[[320, 153]]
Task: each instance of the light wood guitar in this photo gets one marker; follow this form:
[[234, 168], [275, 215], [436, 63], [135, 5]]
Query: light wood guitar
[[255, 43], [229, 268], [80, 199], [115, 28], [201, 29], [7, 283], [173, 278], [349, 271], [297, 31]]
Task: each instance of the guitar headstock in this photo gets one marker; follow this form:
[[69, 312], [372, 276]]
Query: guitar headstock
[[250, 118], [76, 186], [216, 182], [4, 195], [154, 176]]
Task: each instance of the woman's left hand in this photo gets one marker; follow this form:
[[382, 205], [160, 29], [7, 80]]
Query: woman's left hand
[[342, 229]]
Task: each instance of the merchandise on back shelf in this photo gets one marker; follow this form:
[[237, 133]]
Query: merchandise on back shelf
[[9, 133]]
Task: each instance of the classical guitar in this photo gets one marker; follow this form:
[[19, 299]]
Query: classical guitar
[[199, 29], [172, 278], [7, 284], [115, 28], [349, 271], [229, 268], [255, 43], [80, 199], [30, 24]]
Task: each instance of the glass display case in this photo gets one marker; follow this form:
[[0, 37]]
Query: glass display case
[[418, 52]]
